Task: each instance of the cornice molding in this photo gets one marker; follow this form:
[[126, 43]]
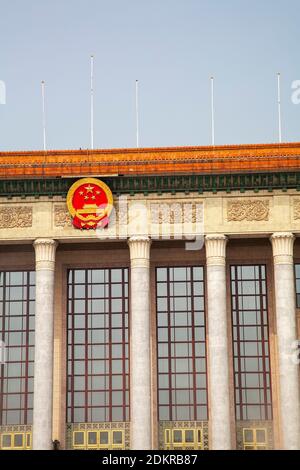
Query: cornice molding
[[141, 184]]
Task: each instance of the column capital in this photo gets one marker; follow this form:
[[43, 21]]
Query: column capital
[[283, 244], [45, 253], [139, 247], [215, 246]]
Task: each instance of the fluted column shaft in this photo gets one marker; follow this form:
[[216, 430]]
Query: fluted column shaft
[[218, 342], [140, 364], [43, 360], [282, 244]]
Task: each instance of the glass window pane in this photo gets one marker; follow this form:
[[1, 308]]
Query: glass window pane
[[177, 436], [6, 440], [78, 438], [189, 436], [92, 437], [18, 440], [117, 437], [103, 437], [297, 276]]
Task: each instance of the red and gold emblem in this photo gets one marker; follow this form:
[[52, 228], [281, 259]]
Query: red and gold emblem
[[90, 202]]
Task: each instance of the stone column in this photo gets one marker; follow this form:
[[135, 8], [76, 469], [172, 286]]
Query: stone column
[[282, 244], [43, 360], [140, 363], [218, 342]]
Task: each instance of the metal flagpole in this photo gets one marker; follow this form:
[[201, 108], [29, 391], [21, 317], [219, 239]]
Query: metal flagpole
[[137, 111], [44, 115], [212, 111], [279, 108], [92, 102]]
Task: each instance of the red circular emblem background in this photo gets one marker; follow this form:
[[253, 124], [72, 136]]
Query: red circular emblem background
[[90, 202]]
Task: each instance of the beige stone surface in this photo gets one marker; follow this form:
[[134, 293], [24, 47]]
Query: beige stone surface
[[165, 215]]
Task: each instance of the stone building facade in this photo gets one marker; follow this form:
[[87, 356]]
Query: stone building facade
[[176, 326]]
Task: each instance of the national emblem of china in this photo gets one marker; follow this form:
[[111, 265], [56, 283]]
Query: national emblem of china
[[90, 202]]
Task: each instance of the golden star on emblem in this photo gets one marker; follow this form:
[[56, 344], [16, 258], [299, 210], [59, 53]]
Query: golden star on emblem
[[89, 188]]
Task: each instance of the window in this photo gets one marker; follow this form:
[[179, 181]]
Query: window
[[255, 439], [99, 439], [183, 439], [182, 381], [297, 276], [98, 346], [17, 298], [252, 376]]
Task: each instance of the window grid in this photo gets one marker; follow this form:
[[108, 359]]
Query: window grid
[[98, 346], [99, 439], [181, 344], [252, 374], [255, 439], [181, 439], [15, 440], [17, 294]]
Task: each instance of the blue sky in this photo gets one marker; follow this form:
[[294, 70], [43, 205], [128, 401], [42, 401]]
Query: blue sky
[[172, 47]]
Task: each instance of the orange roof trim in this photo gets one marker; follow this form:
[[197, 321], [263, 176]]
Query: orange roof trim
[[149, 161]]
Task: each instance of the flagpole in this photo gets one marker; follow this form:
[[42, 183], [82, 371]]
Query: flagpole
[[137, 111], [279, 108], [92, 102], [44, 115], [212, 111]]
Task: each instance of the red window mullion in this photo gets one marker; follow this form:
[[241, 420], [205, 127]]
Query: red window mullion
[[110, 347], [86, 361], [169, 346], [3, 339], [72, 345], [123, 346], [26, 349], [238, 342], [193, 344], [264, 356]]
